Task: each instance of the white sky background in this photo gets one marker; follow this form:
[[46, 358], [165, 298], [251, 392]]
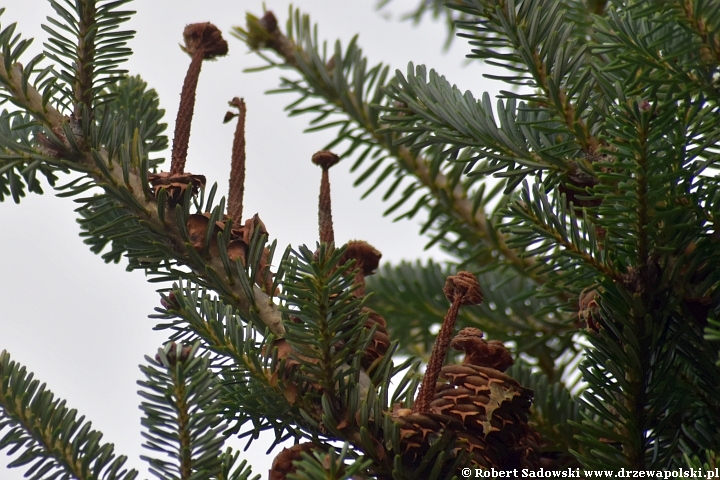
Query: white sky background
[[81, 325]]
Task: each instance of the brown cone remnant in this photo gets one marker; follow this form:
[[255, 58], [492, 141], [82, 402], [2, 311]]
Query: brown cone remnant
[[197, 226], [283, 463], [380, 341], [176, 185], [589, 309], [325, 159], [460, 289], [367, 259], [175, 353], [239, 248], [493, 409], [237, 168], [463, 289], [485, 409], [203, 41], [480, 352]]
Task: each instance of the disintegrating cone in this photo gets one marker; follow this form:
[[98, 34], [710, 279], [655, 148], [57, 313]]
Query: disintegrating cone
[[480, 352], [589, 309], [485, 410], [380, 342], [204, 39], [197, 225], [176, 185], [461, 289], [465, 287], [237, 166], [367, 260], [239, 248], [283, 463]]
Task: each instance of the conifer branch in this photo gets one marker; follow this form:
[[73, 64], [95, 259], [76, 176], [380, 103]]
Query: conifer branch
[[129, 188], [541, 44], [182, 414], [54, 439], [264, 33], [27, 97]]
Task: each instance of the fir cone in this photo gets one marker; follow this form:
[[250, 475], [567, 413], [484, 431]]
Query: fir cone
[[485, 409], [175, 185], [478, 351], [283, 463], [420, 430]]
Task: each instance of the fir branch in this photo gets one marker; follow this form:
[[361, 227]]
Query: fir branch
[[182, 414], [54, 440], [684, 48], [544, 52], [87, 43], [231, 471], [559, 235], [333, 465], [411, 295], [126, 187], [344, 97]]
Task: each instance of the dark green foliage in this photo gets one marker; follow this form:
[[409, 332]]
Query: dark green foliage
[[54, 443], [140, 109], [585, 198], [20, 164], [182, 417], [248, 393], [411, 295], [329, 466], [88, 46], [325, 319], [617, 123]]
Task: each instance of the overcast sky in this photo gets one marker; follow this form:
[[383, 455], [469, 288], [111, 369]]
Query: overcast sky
[[81, 325]]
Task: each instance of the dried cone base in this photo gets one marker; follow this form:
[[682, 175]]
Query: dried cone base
[[485, 409], [197, 226], [478, 351], [175, 185], [239, 245], [283, 463], [490, 405], [380, 341]]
